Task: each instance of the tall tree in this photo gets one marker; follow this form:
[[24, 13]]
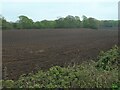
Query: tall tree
[[85, 22], [90, 22], [5, 24], [25, 23]]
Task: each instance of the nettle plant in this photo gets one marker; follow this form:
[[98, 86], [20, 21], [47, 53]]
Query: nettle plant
[[108, 60]]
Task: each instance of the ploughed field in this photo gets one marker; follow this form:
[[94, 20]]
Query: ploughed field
[[25, 51]]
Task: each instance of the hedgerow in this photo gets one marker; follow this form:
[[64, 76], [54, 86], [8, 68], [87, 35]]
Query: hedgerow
[[100, 74]]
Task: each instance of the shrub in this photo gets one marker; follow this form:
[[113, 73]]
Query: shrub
[[108, 60], [85, 75]]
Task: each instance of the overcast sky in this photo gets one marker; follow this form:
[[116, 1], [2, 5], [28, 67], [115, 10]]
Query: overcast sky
[[52, 9]]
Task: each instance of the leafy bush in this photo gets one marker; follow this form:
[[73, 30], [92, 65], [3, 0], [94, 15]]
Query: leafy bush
[[108, 60], [85, 75]]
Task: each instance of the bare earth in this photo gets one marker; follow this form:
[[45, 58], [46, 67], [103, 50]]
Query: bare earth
[[25, 51]]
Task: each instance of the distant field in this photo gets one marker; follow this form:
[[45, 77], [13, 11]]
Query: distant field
[[29, 50]]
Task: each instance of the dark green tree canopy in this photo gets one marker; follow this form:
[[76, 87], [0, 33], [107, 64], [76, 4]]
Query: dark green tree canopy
[[25, 22], [62, 22]]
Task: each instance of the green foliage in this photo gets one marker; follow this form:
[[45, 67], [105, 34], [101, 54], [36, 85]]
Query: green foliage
[[8, 83], [25, 23], [63, 22], [47, 24], [85, 75], [116, 86], [5, 24], [108, 23], [68, 22], [90, 23], [108, 60]]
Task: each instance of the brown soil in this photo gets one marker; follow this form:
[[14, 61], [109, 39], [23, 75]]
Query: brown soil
[[25, 51]]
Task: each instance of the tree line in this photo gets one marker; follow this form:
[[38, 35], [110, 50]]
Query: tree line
[[63, 22]]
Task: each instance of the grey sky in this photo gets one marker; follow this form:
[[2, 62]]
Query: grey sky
[[51, 10]]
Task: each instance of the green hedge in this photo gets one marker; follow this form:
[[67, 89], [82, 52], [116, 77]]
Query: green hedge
[[100, 74]]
